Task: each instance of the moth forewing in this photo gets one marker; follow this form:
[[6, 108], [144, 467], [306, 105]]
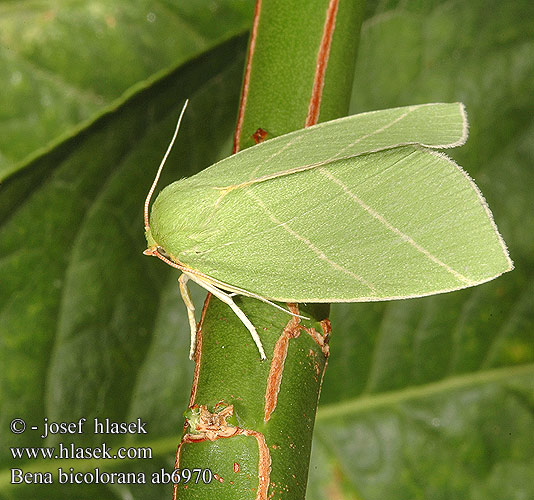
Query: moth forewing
[[437, 125], [358, 209]]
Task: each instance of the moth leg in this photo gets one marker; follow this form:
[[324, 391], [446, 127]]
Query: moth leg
[[227, 299], [184, 291]]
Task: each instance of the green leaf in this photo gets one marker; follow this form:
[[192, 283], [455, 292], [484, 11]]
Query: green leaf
[[81, 306], [433, 398], [63, 62]]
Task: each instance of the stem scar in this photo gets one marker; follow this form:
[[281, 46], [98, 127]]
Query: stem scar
[[208, 426], [259, 136]]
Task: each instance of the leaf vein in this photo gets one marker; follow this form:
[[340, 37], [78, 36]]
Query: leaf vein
[[366, 402]]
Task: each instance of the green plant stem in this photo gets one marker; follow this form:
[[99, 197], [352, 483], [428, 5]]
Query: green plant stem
[[250, 421]]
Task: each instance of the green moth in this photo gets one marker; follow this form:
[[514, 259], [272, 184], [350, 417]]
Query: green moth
[[358, 209]]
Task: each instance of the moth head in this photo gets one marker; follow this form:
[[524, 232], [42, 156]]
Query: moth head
[[182, 217], [151, 242]]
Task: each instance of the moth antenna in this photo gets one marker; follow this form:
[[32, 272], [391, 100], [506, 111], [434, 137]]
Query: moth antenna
[[161, 165]]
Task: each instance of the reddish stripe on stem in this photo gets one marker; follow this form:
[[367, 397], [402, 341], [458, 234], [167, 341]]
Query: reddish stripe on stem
[[246, 78], [274, 380], [322, 62], [291, 331], [198, 352]]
